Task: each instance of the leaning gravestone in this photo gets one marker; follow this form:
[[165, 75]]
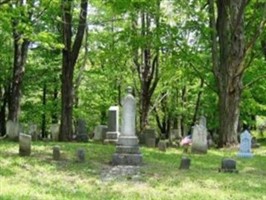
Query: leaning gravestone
[[127, 149], [54, 129], [24, 144], [33, 131], [245, 145], [12, 130], [112, 133], [199, 139], [100, 132], [81, 131]]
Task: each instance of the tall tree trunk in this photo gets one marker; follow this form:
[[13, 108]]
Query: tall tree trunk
[[70, 55], [147, 64], [55, 104], [21, 46], [228, 65]]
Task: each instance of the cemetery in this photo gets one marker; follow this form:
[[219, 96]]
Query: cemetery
[[125, 169], [132, 100]]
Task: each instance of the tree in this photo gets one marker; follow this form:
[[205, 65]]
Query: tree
[[228, 56], [70, 55]]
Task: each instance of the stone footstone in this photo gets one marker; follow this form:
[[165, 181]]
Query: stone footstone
[[24, 144], [185, 163], [228, 165], [81, 155], [56, 153]]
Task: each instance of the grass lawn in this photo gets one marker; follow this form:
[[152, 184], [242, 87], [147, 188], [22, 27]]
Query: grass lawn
[[38, 177]]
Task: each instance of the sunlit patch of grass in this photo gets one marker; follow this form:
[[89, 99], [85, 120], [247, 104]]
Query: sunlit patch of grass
[[39, 177]]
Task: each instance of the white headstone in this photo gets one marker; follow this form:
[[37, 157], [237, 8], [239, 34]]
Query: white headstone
[[245, 145], [199, 139], [127, 149], [12, 130], [54, 132], [100, 132], [128, 116], [33, 131]]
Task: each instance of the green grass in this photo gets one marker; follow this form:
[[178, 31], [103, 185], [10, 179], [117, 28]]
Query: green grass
[[38, 177]]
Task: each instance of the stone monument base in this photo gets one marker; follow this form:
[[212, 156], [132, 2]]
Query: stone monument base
[[199, 149], [111, 137], [127, 151], [127, 159], [245, 155]]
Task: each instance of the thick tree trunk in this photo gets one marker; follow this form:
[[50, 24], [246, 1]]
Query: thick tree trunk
[[230, 68], [70, 55]]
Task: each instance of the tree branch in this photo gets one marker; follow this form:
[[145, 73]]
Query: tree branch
[[254, 81], [81, 30]]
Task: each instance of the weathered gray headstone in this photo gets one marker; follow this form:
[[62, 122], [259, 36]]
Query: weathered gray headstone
[[33, 131], [127, 149], [185, 163], [54, 129], [245, 145], [24, 144], [151, 142], [162, 145], [199, 139], [56, 153], [113, 125], [12, 130], [80, 155], [81, 131], [100, 132], [228, 165], [149, 137]]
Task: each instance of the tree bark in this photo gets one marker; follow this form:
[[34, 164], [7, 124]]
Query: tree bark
[[21, 46], [4, 99], [44, 110], [70, 55], [230, 66], [147, 64]]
